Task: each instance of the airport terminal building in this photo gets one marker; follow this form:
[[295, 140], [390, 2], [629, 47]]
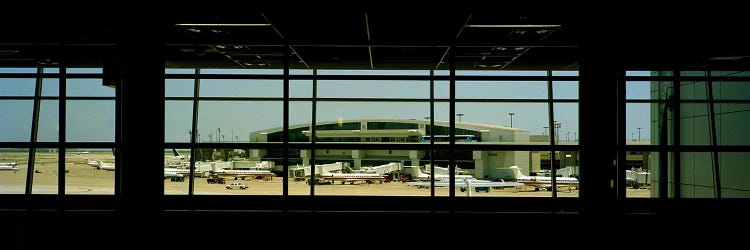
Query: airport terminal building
[[482, 164]]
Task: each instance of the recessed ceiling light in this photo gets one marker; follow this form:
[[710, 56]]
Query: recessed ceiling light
[[224, 24], [727, 58], [513, 25]]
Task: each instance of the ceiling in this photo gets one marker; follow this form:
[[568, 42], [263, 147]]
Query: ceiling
[[391, 39]]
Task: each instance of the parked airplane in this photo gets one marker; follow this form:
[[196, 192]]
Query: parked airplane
[[467, 184], [542, 181], [105, 166], [241, 174], [9, 166], [176, 172], [417, 174], [352, 177]]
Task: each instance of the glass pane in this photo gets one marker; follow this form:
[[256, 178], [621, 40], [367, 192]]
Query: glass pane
[[696, 175], [658, 124], [364, 172], [734, 174], [374, 72], [300, 72], [177, 171], [342, 113], [373, 89], [565, 90], [566, 123], [90, 121], [501, 90], [241, 171], [639, 90], [498, 122], [638, 173], [179, 87], [227, 121], [637, 73], [638, 124], [178, 117], [731, 123], [241, 88], [658, 90], [499, 73], [84, 70], [49, 116], [655, 165], [88, 87], [730, 73], [695, 127], [179, 71], [50, 87], [300, 118], [17, 70], [565, 73], [17, 86], [242, 71], [89, 171], [16, 116], [46, 171], [731, 90], [567, 174], [13, 168], [442, 89], [693, 90], [300, 89], [51, 70]]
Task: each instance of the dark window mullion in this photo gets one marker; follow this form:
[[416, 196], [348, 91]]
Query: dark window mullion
[[551, 123], [196, 95]]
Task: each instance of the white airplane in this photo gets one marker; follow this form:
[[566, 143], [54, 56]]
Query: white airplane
[[9, 166], [352, 177], [175, 172], [105, 166], [418, 175], [467, 184], [241, 174], [93, 163], [542, 181]]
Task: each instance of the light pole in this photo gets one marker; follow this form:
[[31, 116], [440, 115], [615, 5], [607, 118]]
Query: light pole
[[199, 137], [545, 130], [632, 136], [557, 128], [639, 134], [567, 134], [459, 116], [511, 118], [218, 135], [190, 135], [210, 137]]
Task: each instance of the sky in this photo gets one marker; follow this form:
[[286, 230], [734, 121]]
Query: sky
[[93, 120]]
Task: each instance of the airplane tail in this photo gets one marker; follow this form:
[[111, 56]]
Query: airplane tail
[[516, 172], [175, 152], [414, 171]]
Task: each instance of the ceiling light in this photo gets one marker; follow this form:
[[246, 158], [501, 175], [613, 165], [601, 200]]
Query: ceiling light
[[727, 58], [224, 24], [513, 25]]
